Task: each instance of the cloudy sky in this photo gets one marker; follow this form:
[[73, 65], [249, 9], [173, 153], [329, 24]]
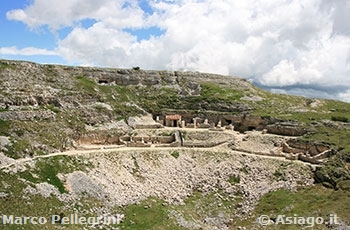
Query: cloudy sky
[[294, 46]]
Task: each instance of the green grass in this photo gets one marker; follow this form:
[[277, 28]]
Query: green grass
[[18, 149], [4, 127], [157, 100], [46, 170], [53, 135], [154, 213], [175, 154], [154, 99], [213, 97], [119, 98], [87, 85], [53, 108], [233, 179], [279, 174], [216, 93], [200, 206], [313, 201], [4, 65], [285, 107], [17, 202], [148, 214]]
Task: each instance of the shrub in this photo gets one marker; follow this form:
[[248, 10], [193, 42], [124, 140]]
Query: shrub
[[339, 118], [175, 154], [234, 179]]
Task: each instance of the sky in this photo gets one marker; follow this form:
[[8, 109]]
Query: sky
[[286, 46]]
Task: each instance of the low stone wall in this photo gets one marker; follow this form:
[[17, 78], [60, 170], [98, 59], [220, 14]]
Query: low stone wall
[[138, 144], [154, 139], [202, 144], [148, 126], [217, 129], [203, 126]]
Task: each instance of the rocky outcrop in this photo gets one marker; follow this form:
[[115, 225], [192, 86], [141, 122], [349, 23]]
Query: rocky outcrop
[[143, 122], [334, 171], [286, 129], [100, 137], [272, 125], [132, 77], [244, 123], [29, 115]]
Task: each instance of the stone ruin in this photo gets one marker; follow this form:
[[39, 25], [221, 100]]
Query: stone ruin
[[240, 123], [175, 120], [312, 152], [289, 148], [173, 140]]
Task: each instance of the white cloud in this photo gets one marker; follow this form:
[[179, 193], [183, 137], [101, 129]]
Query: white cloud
[[276, 42], [28, 51], [345, 96], [61, 13], [325, 62], [97, 45]]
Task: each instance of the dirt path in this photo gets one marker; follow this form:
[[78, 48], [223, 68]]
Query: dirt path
[[108, 148]]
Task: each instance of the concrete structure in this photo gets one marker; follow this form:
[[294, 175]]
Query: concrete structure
[[173, 120]]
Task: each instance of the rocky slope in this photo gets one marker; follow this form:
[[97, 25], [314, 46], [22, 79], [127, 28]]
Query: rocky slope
[[125, 177]]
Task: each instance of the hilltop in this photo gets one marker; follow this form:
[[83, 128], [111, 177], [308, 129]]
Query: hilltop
[[101, 135]]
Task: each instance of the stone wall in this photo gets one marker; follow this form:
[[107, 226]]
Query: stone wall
[[98, 138], [146, 141], [154, 139]]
